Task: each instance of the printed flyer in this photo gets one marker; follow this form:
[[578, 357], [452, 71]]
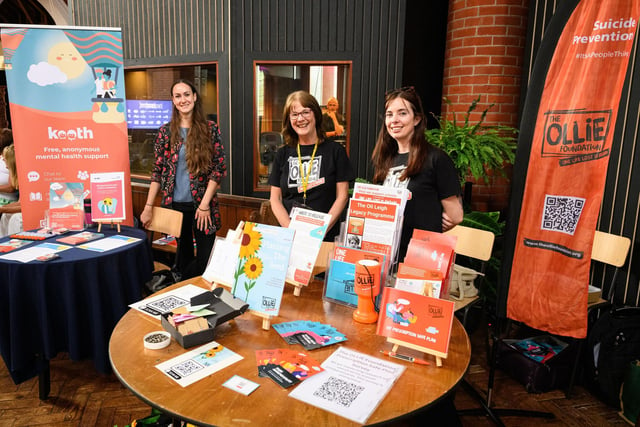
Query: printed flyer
[[107, 196], [262, 266], [310, 228], [417, 319]]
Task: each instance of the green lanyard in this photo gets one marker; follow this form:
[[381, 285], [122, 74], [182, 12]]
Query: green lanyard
[[305, 179]]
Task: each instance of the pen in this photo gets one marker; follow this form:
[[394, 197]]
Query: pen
[[404, 357]]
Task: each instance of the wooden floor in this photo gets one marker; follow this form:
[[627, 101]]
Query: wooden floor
[[82, 397]]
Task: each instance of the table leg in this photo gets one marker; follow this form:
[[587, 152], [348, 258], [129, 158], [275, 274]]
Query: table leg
[[44, 378]]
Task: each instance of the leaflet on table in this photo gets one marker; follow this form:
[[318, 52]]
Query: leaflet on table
[[107, 196], [262, 266], [339, 280], [35, 251], [109, 243], [380, 193], [311, 335], [157, 305], [310, 228], [417, 319], [352, 384], [373, 226], [286, 367], [79, 238], [12, 244], [198, 363]]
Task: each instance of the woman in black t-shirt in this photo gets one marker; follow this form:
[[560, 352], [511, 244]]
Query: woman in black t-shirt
[[309, 170], [403, 158]]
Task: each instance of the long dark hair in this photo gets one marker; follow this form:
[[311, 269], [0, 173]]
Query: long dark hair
[[199, 149], [386, 147], [307, 101]]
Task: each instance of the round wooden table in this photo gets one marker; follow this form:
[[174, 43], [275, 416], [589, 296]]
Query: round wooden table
[[207, 402]]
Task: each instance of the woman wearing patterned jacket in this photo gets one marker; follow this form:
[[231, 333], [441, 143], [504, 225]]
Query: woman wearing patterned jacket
[[189, 166]]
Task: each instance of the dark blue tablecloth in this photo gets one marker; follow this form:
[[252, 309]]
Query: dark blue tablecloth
[[70, 304]]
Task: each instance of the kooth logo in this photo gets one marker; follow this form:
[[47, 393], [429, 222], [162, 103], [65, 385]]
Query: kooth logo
[[70, 134]]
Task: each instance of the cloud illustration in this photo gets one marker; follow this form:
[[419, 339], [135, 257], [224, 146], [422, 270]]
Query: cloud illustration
[[44, 74]]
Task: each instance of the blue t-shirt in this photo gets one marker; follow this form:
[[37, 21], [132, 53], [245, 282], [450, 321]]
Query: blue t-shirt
[[181, 191]]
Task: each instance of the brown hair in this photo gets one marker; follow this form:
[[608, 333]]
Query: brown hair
[[198, 147], [9, 155], [6, 138], [307, 101], [386, 147]]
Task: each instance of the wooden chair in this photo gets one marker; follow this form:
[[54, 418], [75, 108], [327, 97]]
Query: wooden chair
[[165, 222], [473, 243]]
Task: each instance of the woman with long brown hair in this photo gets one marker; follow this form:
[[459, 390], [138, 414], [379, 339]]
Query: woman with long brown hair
[[189, 166], [403, 158]]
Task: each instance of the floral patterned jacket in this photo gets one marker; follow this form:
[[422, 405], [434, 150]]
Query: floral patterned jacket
[[164, 171]]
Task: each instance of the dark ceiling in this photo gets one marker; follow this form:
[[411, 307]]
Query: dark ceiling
[[24, 12]]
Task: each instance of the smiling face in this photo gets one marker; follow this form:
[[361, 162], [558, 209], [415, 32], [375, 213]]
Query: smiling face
[[67, 59], [400, 120], [183, 98], [303, 120]]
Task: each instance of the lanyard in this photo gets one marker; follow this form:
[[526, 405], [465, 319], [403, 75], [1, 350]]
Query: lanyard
[[305, 179]]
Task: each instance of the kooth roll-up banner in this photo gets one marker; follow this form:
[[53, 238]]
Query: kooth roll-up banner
[[67, 104], [570, 135]]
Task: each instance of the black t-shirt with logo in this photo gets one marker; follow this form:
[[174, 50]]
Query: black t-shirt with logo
[[330, 166], [437, 180]]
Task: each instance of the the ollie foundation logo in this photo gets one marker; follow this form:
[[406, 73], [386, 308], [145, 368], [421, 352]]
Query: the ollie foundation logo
[[576, 135]]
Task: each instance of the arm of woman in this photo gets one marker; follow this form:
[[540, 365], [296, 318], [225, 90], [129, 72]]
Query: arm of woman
[[203, 213], [11, 208], [342, 197], [7, 188], [277, 207], [147, 213], [452, 212]]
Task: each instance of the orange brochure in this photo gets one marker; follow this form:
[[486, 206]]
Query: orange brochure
[[416, 319]]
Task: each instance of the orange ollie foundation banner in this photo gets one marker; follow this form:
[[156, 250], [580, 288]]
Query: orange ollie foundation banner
[[570, 150], [66, 97]]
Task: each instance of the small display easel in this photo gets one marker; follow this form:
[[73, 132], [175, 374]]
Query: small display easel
[[443, 327], [100, 222]]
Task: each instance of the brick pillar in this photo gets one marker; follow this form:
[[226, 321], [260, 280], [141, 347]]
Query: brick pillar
[[484, 56]]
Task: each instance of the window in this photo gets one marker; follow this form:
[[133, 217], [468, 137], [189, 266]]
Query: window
[[274, 81], [149, 105]]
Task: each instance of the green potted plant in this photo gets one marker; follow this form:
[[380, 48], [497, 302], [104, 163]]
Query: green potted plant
[[475, 148]]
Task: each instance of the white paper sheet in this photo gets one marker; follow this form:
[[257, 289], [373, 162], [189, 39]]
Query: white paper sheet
[[352, 385]]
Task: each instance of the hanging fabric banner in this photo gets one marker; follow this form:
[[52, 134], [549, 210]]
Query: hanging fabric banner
[[67, 103], [567, 167]]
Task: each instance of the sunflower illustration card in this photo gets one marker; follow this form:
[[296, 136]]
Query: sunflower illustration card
[[262, 266]]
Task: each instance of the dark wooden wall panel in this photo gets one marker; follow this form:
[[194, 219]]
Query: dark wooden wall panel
[[370, 34]]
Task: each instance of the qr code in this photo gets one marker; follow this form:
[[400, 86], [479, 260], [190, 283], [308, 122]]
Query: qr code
[[339, 391], [187, 368], [167, 304], [562, 213]]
